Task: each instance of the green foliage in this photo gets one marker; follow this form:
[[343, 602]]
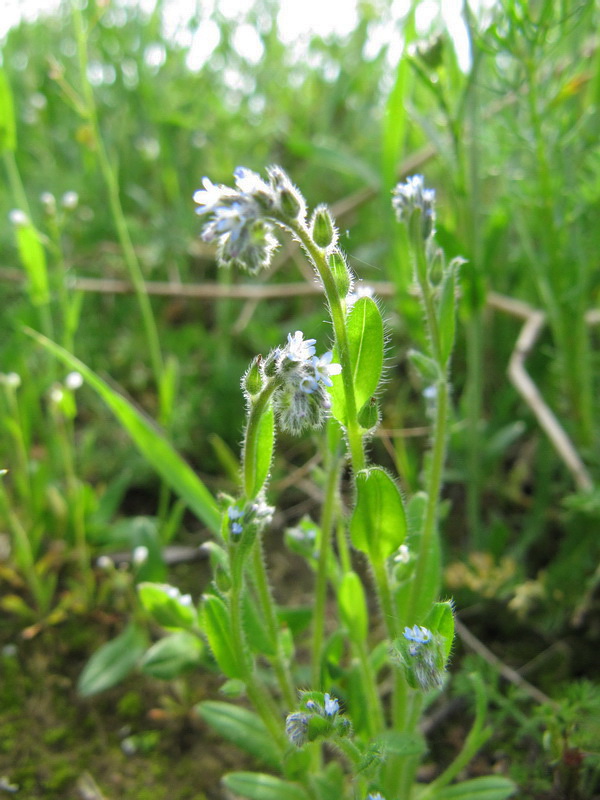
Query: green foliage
[[113, 661], [242, 727], [378, 524]]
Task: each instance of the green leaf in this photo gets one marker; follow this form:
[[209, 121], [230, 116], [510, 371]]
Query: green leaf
[[167, 606], [149, 440], [257, 786], [255, 628], [440, 620], [400, 743], [113, 661], [427, 367], [429, 588], [217, 626], [447, 314], [490, 787], [33, 258], [353, 606], [378, 523], [8, 128], [263, 453], [170, 657], [364, 328], [242, 727]]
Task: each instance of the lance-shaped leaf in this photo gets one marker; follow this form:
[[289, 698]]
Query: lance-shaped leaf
[[113, 661], [217, 627], [353, 606], [8, 128], [447, 312], [440, 620], [364, 328], [378, 524], [242, 727], [258, 786], [262, 454], [33, 258]]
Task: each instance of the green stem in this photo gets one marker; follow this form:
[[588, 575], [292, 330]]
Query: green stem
[[327, 524], [23, 553], [434, 485], [375, 716], [268, 609], [258, 695], [353, 432]]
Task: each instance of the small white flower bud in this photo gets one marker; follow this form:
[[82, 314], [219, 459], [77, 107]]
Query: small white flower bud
[[140, 555], [73, 381], [69, 200], [18, 218]]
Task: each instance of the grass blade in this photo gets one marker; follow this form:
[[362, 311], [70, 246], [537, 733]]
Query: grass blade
[[151, 443]]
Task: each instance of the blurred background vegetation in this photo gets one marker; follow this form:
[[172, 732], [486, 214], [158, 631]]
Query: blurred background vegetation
[[129, 105]]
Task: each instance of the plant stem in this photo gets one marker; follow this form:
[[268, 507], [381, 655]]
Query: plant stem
[[327, 526], [353, 433], [268, 608]]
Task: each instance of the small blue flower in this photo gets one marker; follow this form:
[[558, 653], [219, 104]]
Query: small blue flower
[[412, 197], [298, 348], [375, 796], [324, 368], [417, 634], [332, 705]]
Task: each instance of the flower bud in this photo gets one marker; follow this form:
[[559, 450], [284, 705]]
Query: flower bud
[[252, 382], [323, 230], [289, 199], [369, 416]]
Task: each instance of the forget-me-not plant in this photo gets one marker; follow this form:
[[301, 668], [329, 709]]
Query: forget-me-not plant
[[310, 685]]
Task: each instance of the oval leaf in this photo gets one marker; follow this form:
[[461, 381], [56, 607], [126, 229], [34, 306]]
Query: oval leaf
[[167, 605], [378, 524], [113, 661], [173, 655]]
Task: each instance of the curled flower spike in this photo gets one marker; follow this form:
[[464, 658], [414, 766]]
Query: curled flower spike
[[411, 198], [236, 220], [296, 728]]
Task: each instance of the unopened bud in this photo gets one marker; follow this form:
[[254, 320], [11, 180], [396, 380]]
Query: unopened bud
[[252, 382], [369, 416], [323, 230]]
